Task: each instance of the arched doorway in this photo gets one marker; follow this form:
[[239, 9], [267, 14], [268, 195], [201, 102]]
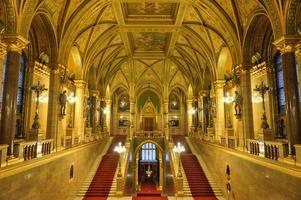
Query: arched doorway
[[149, 166]]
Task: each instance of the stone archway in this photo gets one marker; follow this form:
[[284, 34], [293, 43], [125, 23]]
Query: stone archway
[[138, 177]]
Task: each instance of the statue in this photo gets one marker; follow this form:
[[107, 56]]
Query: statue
[[237, 103], [63, 101]]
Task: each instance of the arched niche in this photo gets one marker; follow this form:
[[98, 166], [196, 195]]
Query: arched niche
[[258, 39], [42, 39], [148, 94]]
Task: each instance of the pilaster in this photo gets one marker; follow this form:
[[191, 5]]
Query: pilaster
[[220, 109], [79, 123], [247, 109]]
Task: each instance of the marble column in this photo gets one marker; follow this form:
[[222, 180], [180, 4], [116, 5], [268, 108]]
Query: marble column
[[108, 114], [132, 118], [220, 109], [196, 113], [189, 115], [292, 105], [2, 54], [15, 44], [93, 98], [247, 108], [203, 117], [166, 120], [53, 107], [79, 122]]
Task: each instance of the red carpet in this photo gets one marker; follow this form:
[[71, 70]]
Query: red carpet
[[149, 192], [149, 189], [198, 183], [101, 184]]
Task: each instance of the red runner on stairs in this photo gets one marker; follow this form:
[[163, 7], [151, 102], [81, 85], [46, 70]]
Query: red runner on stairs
[[149, 192], [101, 184], [197, 180]]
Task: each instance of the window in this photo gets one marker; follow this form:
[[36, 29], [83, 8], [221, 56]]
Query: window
[[148, 152], [21, 84], [280, 83]]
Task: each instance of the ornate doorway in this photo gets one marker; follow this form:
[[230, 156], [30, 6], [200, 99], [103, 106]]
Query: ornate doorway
[[149, 166]]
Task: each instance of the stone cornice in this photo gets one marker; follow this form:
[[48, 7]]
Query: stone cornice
[[15, 43]]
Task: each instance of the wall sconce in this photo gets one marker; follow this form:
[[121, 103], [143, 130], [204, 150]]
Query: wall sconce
[[105, 111], [192, 111], [256, 98], [228, 98], [72, 99], [43, 98]]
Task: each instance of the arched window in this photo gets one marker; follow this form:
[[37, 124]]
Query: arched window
[[280, 83], [148, 152]]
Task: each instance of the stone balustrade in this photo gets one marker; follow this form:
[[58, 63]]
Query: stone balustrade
[[253, 147], [149, 134], [272, 149], [25, 150], [3, 154], [47, 146], [232, 142]]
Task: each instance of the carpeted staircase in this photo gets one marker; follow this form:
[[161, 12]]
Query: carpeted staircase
[[100, 186], [198, 183], [149, 192]]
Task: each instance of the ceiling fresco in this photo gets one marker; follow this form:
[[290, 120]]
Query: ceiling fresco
[[149, 41], [150, 8], [150, 12]]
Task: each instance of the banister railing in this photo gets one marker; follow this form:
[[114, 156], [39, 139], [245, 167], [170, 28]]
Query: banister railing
[[25, 150], [253, 147], [47, 146]]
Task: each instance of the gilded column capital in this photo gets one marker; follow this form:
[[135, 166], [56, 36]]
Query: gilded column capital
[[286, 44], [15, 42], [204, 93], [94, 93], [80, 84], [219, 83]]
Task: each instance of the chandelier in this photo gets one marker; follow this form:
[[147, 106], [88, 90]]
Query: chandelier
[[148, 171]]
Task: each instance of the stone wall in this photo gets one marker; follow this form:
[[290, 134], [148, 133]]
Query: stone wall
[[252, 178], [49, 177]]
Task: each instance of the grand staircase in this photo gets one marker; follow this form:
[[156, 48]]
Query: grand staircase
[[100, 186], [199, 186]]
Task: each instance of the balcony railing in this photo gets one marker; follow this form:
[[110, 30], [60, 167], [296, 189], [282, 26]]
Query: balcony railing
[[149, 134]]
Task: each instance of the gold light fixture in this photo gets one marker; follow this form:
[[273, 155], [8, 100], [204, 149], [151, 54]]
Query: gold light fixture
[[148, 171]]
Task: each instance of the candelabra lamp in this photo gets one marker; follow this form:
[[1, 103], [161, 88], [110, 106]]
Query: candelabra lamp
[[119, 149], [262, 89], [179, 148], [38, 89]]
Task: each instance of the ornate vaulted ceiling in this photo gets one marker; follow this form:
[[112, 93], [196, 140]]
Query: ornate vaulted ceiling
[[124, 42]]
